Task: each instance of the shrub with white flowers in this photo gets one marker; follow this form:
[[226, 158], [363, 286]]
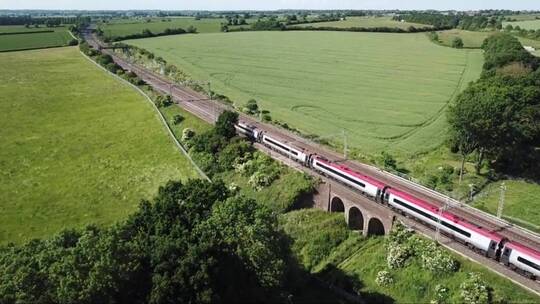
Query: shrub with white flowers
[[474, 290], [384, 278], [397, 255], [436, 259], [441, 294]]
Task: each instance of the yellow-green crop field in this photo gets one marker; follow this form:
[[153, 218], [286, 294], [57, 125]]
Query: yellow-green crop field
[[388, 91]]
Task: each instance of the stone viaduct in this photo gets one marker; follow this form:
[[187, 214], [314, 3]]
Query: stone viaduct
[[360, 212]]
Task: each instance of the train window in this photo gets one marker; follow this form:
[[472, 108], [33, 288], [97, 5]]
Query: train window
[[341, 175], [456, 229], [416, 210], [280, 145], [529, 263]]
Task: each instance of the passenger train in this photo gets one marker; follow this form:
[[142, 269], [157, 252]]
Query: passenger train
[[517, 256]]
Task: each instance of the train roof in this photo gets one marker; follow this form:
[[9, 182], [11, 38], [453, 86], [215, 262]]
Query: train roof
[[370, 180], [524, 249], [283, 142], [447, 215]]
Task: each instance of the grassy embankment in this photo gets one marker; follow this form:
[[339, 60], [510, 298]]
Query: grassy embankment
[[78, 146], [60, 37], [122, 28], [324, 246], [366, 22], [280, 195]]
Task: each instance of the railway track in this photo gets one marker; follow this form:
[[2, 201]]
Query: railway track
[[209, 110]]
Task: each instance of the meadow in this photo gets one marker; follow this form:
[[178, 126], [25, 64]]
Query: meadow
[[323, 244], [60, 37], [475, 39], [388, 91], [525, 24], [367, 22], [158, 25], [78, 146]]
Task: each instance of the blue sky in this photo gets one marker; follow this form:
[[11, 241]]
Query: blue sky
[[270, 5]]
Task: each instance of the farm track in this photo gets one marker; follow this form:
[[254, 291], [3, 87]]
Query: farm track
[[208, 110]]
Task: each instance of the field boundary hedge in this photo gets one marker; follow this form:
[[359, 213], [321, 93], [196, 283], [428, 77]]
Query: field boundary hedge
[[34, 48], [162, 118], [28, 32]]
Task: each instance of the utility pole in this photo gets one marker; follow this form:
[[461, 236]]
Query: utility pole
[[441, 210], [501, 200], [344, 143]]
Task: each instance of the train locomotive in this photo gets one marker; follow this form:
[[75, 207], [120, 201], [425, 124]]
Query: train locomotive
[[489, 243]]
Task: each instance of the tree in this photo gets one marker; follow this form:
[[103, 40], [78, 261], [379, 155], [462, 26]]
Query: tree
[[457, 43], [225, 124], [177, 119], [252, 106], [191, 29], [187, 134], [509, 28], [497, 117], [388, 161]]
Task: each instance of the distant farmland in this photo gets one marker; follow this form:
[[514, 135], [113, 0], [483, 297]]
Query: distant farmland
[[78, 146], [367, 22], [158, 25], [526, 24], [59, 37], [388, 91]]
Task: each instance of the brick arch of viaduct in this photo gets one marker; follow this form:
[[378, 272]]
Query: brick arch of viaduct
[[371, 218]]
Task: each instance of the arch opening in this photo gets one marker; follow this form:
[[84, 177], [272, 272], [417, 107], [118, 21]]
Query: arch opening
[[356, 219], [336, 205], [375, 227]]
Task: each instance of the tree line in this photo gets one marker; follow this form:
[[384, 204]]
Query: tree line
[[48, 21], [146, 33], [496, 118], [460, 20]]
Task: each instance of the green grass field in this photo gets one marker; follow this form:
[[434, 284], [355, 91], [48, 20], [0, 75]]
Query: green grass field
[[475, 39], [59, 37], [367, 22], [78, 146], [388, 91], [526, 24], [322, 240], [158, 25], [521, 204], [470, 39]]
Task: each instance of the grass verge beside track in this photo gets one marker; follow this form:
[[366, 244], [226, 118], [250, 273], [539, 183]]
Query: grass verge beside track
[[78, 146]]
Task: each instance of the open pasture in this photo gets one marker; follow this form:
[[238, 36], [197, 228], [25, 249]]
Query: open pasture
[[388, 91], [59, 37], [78, 146], [526, 24], [158, 25], [367, 22]]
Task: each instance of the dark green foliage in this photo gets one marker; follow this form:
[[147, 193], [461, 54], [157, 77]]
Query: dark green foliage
[[192, 244], [457, 43], [498, 117], [73, 42], [502, 49], [252, 106], [460, 20], [237, 149], [177, 119], [225, 124]]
